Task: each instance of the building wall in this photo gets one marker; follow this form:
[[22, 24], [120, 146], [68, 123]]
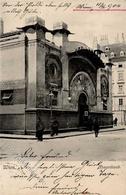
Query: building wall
[[12, 67], [119, 90], [12, 123], [67, 119], [33, 69], [116, 52], [12, 78]]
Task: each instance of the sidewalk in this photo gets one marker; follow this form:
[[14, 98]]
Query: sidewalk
[[60, 135]]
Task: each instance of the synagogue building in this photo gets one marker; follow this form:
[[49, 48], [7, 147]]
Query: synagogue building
[[59, 79]]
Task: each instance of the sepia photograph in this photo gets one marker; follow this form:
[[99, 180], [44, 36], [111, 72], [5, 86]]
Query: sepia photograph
[[62, 97]]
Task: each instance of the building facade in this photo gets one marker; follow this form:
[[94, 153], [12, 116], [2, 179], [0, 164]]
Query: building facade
[[116, 52], [63, 79]]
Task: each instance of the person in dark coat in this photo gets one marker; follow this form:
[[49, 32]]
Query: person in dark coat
[[39, 129], [90, 123], [96, 127], [115, 121], [54, 127]]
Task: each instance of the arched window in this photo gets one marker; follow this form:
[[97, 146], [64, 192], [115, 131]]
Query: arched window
[[107, 49], [122, 53], [53, 70], [112, 54]]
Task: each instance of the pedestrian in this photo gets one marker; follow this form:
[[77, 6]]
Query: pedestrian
[[90, 123], [115, 121], [96, 127], [54, 127], [39, 129]]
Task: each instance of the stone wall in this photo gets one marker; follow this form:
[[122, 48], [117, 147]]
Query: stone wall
[[12, 123], [67, 119]]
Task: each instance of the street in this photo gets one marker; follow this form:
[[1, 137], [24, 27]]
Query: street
[[79, 164], [109, 146]]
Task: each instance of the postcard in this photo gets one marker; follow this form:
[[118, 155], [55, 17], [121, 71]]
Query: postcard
[[62, 97]]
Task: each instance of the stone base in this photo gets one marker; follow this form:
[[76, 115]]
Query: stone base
[[66, 119], [105, 119], [10, 123], [26, 124]]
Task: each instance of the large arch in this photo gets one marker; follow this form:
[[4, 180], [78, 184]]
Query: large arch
[[82, 83]]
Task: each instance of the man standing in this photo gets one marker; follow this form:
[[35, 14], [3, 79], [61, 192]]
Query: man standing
[[96, 127], [115, 121], [54, 127], [90, 123], [39, 129]]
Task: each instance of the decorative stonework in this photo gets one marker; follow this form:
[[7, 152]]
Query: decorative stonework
[[104, 87], [53, 70], [104, 91], [82, 83], [63, 82]]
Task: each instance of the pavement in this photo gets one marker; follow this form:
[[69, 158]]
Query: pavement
[[61, 134]]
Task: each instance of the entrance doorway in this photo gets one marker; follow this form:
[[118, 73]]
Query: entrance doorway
[[83, 110]]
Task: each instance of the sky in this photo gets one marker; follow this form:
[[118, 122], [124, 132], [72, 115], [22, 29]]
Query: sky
[[84, 25]]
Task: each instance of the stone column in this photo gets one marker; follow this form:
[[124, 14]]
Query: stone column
[[32, 68], [40, 101], [35, 70], [99, 103], [60, 38], [65, 79], [60, 33], [109, 75], [36, 60]]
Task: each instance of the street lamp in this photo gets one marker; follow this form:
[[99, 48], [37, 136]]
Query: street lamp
[[69, 98], [69, 95]]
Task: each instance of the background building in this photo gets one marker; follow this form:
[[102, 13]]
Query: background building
[[116, 52], [63, 79]]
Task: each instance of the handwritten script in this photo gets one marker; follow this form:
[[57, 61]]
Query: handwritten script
[[32, 172], [23, 8]]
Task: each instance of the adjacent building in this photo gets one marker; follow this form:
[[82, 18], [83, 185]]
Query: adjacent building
[[62, 79], [116, 52]]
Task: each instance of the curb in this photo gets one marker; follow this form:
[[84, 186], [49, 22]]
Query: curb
[[64, 135]]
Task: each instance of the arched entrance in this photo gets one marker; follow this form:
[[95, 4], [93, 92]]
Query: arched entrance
[[83, 109]]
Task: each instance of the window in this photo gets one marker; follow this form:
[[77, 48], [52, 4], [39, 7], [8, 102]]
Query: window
[[112, 54], [120, 102], [122, 53], [120, 76], [53, 70], [120, 89], [7, 97], [120, 65], [107, 49]]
